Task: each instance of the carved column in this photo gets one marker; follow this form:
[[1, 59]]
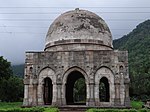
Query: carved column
[[91, 101], [54, 100], [97, 100], [127, 98], [60, 97], [117, 94], [26, 92], [26, 96], [117, 101], [35, 83], [87, 94], [35, 94], [40, 94], [31, 95]]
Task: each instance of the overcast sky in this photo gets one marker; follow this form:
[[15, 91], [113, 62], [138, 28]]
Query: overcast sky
[[24, 23]]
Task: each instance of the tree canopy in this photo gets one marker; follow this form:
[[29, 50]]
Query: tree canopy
[[5, 68], [11, 87]]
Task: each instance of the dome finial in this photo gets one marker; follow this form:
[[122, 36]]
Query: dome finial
[[77, 9]]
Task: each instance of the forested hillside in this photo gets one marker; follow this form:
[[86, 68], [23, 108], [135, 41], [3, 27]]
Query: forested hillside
[[137, 43], [18, 70]]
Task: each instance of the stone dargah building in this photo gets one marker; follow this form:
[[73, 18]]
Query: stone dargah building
[[78, 51]]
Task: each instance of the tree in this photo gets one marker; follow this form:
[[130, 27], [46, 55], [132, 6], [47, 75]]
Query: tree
[[11, 90], [80, 90], [11, 87], [5, 68]]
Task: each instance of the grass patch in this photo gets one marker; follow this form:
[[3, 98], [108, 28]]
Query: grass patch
[[137, 104], [118, 110], [136, 107], [6, 105], [51, 110], [16, 107]]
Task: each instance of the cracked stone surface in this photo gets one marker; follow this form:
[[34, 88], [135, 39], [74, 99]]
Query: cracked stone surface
[[79, 24]]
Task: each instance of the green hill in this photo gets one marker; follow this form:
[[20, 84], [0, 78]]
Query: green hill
[[18, 70], [137, 43]]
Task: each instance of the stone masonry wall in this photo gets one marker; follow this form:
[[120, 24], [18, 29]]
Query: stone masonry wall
[[90, 62]]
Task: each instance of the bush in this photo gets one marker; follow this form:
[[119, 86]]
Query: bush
[[118, 110], [137, 104], [14, 91], [6, 105], [103, 110], [34, 109], [22, 110], [51, 110]]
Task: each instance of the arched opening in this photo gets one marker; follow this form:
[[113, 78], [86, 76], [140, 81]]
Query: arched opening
[[75, 89], [104, 90], [48, 91]]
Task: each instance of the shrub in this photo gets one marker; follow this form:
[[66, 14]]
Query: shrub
[[137, 104], [51, 110], [6, 105], [34, 109], [118, 110], [144, 110]]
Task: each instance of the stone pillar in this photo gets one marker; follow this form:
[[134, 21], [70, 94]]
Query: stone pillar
[[34, 95], [97, 100], [127, 98], [26, 95], [31, 94], [35, 83], [60, 98], [87, 94], [40, 94], [26, 92], [54, 99], [117, 101], [91, 101]]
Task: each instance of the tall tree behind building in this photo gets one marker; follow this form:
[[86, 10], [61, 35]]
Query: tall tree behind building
[[11, 87]]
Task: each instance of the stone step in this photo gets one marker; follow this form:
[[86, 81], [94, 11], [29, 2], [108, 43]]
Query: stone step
[[73, 109]]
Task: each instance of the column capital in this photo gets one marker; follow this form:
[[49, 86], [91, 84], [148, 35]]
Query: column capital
[[126, 81], [91, 83], [58, 83], [26, 81], [35, 82], [117, 83]]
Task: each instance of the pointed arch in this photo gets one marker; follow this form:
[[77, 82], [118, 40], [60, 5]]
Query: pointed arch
[[104, 95], [47, 91], [46, 72], [109, 75], [80, 74], [75, 68]]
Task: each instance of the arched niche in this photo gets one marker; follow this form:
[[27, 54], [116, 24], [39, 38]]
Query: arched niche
[[104, 92], [72, 79], [107, 74], [47, 91], [46, 73], [67, 76]]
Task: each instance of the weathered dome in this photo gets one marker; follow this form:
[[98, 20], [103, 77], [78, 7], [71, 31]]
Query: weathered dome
[[78, 26]]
